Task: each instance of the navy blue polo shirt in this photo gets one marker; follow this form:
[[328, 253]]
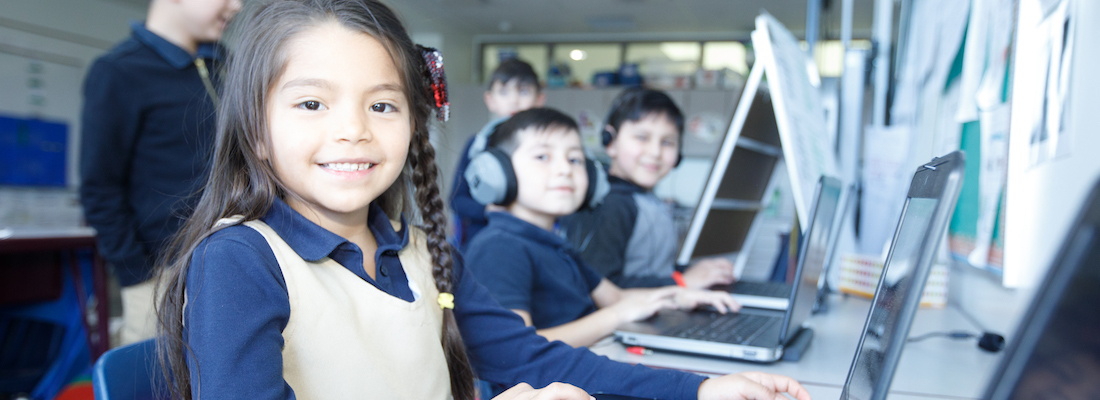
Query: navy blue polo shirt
[[147, 129], [237, 308], [528, 268]]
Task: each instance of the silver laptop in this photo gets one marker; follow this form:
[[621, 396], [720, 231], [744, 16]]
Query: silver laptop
[[752, 334], [774, 295], [924, 217], [933, 193]]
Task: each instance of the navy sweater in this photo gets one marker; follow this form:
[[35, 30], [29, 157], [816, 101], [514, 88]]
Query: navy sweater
[[147, 127]]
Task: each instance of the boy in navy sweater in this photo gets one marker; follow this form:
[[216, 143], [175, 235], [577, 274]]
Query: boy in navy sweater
[[631, 238], [533, 271], [147, 126], [513, 87]]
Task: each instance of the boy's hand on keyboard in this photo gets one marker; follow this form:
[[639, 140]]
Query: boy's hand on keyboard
[[642, 304], [751, 385], [722, 302], [709, 272]]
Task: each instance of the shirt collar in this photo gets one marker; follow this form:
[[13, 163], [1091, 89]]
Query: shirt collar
[[509, 223], [171, 53], [623, 185], [312, 242]]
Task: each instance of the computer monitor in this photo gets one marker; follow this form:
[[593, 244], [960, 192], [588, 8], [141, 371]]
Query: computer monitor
[[924, 217], [1056, 350]]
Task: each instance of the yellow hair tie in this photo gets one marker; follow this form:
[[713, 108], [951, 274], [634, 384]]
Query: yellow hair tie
[[446, 300]]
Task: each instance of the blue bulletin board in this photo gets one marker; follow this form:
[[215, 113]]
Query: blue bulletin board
[[32, 152]]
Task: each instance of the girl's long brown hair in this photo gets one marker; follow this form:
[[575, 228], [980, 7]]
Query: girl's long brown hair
[[240, 182]]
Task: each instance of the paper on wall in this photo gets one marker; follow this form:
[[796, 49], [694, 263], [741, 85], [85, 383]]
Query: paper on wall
[[1041, 100], [991, 179]]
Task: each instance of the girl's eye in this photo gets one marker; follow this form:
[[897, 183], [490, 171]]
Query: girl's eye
[[668, 143], [576, 161], [542, 157], [382, 107], [312, 105]]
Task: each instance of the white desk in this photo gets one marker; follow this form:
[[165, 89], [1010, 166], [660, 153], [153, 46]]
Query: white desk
[[933, 368]]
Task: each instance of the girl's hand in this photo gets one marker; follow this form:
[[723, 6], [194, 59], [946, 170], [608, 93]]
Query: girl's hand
[[708, 272], [751, 386], [723, 302], [639, 305], [553, 391]]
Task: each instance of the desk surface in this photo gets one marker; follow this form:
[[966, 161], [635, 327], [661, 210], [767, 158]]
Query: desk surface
[[935, 367]]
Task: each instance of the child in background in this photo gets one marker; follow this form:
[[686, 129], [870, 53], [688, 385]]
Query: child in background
[[513, 87], [533, 271], [631, 238], [147, 131], [316, 266]]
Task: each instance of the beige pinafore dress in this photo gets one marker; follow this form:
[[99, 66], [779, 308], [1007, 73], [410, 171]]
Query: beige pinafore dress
[[346, 339]]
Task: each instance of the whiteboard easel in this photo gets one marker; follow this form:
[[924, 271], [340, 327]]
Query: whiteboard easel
[[803, 146], [799, 113]]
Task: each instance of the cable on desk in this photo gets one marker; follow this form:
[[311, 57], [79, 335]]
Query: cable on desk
[[987, 341]]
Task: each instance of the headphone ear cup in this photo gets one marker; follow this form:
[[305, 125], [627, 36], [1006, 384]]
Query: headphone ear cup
[[491, 178], [605, 137], [598, 186]]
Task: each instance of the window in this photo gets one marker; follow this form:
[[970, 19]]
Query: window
[[534, 54], [671, 58], [719, 55], [586, 59]]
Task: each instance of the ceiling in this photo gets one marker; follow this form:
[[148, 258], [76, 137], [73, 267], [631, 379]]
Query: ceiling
[[533, 17], [551, 17]]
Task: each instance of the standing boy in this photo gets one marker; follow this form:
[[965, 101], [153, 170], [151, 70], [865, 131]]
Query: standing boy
[[148, 126], [530, 269], [513, 87], [631, 238]]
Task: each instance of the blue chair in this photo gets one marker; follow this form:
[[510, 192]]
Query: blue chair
[[129, 372]]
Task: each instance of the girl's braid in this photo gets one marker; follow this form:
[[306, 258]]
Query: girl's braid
[[424, 178]]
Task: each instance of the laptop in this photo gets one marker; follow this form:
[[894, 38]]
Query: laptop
[[774, 295], [1055, 353], [753, 334], [928, 207]]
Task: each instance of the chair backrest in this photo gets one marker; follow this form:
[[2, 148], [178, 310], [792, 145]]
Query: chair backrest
[[129, 372]]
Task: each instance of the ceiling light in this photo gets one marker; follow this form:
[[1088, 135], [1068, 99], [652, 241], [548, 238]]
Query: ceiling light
[[578, 54]]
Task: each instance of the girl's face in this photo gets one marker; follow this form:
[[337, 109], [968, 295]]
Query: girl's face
[[549, 167], [340, 123], [644, 151]]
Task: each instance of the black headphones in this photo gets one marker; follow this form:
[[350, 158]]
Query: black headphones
[[633, 95], [492, 179]]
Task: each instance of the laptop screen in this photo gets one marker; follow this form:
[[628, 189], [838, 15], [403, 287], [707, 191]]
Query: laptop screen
[[866, 376], [812, 255], [1055, 353], [1065, 359]]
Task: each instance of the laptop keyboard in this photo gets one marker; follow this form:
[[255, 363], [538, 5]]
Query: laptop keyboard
[[726, 328], [765, 289]]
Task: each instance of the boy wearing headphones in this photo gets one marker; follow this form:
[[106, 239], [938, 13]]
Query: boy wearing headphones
[[534, 167], [630, 238], [513, 87]]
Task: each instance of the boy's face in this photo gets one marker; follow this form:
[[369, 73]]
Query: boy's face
[[206, 19], [549, 167], [507, 98], [644, 151]]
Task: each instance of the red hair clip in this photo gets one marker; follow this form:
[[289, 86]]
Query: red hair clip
[[433, 60]]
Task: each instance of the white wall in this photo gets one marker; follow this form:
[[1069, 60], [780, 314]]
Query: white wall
[[54, 42], [1042, 200]]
